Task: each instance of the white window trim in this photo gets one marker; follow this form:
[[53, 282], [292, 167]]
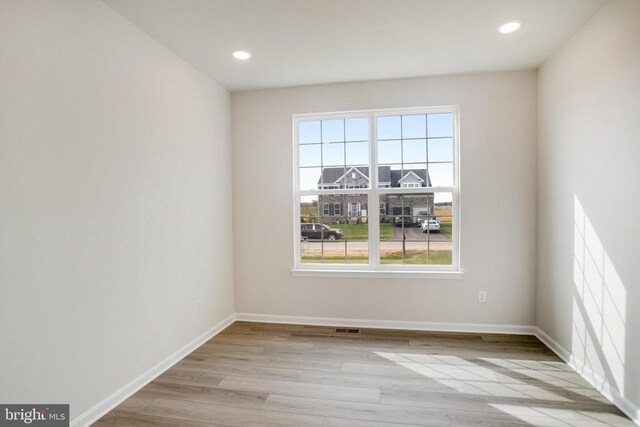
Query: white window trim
[[411, 185], [325, 209], [374, 268], [339, 210]]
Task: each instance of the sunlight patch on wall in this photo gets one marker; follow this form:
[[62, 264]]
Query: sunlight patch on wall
[[599, 304]]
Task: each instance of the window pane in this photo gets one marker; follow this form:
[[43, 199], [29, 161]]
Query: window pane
[[389, 152], [356, 228], [414, 126], [309, 132], [441, 150], [441, 240], [357, 153], [384, 176], [357, 177], [310, 155], [357, 129], [414, 150], [308, 210], [416, 229], [388, 175], [441, 174], [334, 228], [333, 154], [333, 130], [309, 178], [413, 175], [389, 127], [440, 125]]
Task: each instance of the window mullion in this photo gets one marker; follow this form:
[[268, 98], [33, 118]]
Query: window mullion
[[374, 199]]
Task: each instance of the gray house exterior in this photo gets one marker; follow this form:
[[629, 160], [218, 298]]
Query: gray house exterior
[[354, 208]]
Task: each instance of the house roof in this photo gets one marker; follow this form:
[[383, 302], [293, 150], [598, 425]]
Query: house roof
[[385, 174]]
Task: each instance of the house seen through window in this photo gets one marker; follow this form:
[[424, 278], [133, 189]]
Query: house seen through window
[[403, 162]]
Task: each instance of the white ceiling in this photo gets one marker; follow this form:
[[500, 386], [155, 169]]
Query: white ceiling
[[299, 42]]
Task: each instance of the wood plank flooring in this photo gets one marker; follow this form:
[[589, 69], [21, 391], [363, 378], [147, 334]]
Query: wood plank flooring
[[256, 374]]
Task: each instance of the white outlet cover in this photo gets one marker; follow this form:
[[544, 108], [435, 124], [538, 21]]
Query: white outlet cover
[[482, 296]]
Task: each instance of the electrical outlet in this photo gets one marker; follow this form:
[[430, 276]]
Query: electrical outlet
[[200, 306], [482, 296]]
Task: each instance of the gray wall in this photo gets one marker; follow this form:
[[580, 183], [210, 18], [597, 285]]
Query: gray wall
[[498, 140], [114, 166], [588, 204]]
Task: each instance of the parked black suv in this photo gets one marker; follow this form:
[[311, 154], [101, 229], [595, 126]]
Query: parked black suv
[[319, 231]]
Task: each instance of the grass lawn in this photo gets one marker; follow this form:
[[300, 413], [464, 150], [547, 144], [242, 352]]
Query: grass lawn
[[417, 257], [395, 257], [361, 231], [445, 228]]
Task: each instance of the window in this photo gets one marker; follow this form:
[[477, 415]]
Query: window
[[405, 162]]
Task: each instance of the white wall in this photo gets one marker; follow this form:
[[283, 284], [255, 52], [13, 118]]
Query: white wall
[[589, 228], [114, 202], [498, 139]]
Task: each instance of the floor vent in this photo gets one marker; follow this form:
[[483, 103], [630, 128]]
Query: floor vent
[[348, 331]]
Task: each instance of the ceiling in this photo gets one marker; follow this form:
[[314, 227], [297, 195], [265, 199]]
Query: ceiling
[[299, 42]]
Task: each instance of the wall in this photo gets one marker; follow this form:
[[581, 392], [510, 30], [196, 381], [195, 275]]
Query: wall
[[498, 139], [589, 233], [115, 209]]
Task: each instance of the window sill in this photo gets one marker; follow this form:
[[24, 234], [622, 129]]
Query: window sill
[[378, 274]]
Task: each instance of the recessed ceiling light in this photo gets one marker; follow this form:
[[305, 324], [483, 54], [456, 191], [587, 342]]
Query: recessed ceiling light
[[241, 55], [509, 27]]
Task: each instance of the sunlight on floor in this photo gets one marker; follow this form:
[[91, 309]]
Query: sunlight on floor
[[541, 416], [501, 383], [467, 377]]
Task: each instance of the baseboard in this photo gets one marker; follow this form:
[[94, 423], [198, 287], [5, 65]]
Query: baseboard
[[100, 409], [599, 383], [389, 324]]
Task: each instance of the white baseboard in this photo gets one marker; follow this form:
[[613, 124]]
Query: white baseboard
[[100, 409], [389, 324], [599, 383]]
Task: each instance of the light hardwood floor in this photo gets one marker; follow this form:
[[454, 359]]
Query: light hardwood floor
[[289, 375]]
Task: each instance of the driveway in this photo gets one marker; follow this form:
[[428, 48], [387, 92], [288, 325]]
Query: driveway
[[415, 233]]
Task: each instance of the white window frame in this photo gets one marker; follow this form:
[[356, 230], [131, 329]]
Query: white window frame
[[411, 185], [374, 268], [325, 209], [339, 210], [330, 186]]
